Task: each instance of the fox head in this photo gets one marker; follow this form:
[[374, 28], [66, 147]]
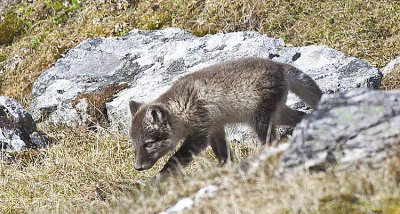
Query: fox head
[[150, 133]]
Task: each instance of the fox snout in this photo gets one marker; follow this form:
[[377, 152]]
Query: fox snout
[[143, 160], [139, 162], [143, 166], [139, 167]]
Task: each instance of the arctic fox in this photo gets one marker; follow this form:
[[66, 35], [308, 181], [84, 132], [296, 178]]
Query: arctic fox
[[198, 105]]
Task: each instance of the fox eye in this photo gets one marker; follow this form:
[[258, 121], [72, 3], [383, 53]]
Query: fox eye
[[148, 144]]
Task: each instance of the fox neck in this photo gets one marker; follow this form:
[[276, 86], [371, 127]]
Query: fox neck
[[178, 129], [180, 126]]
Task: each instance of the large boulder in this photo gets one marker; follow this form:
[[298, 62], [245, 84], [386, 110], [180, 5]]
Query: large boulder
[[143, 64], [17, 129], [346, 130]]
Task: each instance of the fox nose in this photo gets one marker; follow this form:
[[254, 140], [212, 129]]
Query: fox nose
[[138, 168]]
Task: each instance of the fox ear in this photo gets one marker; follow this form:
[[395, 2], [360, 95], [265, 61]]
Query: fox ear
[[157, 113], [134, 106]]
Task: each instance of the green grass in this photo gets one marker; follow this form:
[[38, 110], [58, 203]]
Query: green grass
[[88, 171]]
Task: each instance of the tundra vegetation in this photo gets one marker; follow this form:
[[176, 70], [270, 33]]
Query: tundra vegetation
[[92, 170]]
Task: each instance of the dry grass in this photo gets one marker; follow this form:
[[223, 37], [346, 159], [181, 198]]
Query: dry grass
[[69, 175], [361, 191], [88, 171]]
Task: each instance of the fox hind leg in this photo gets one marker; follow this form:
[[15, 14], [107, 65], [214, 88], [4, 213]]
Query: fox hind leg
[[264, 126], [289, 117]]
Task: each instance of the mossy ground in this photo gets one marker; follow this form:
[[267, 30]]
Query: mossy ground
[[92, 171]]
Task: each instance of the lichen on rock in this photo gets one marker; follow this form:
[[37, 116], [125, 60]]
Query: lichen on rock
[[18, 131], [346, 130]]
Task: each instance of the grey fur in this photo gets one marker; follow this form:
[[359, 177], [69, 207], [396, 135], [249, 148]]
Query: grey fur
[[198, 105]]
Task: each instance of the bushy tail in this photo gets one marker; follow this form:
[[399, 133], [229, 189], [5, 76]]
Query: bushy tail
[[303, 86]]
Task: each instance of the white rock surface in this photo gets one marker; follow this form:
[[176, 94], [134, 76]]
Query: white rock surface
[[347, 129], [391, 66]]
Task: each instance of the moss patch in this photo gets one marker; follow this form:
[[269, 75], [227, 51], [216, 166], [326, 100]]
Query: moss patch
[[391, 205], [10, 28], [3, 57], [344, 203]]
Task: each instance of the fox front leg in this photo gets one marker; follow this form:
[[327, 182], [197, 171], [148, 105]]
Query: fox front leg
[[220, 147], [192, 146]]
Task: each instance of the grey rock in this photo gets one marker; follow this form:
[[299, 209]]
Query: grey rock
[[149, 61], [17, 129], [346, 130], [391, 66]]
